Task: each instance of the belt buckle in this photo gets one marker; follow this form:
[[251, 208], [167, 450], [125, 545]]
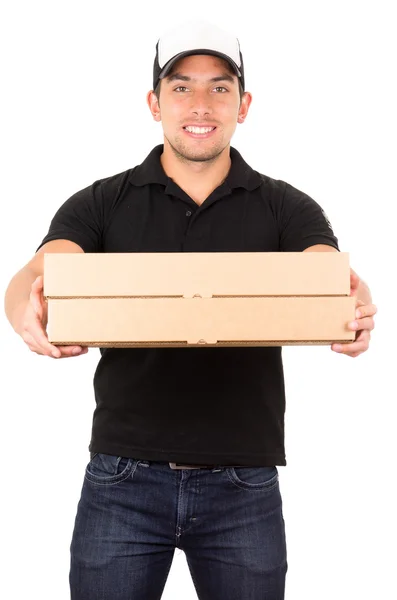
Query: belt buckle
[[177, 466]]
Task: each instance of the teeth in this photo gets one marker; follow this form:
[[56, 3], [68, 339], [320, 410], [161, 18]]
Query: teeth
[[191, 129]]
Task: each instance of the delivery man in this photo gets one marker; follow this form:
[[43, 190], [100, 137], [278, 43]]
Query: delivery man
[[185, 441]]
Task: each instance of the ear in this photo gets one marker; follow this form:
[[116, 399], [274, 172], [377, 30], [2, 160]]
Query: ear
[[154, 105], [244, 107]]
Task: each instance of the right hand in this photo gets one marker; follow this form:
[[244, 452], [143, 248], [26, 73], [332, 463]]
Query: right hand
[[34, 326]]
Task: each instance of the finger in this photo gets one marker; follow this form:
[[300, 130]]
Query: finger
[[43, 343], [33, 345], [354, 282], [30, 342], [350, 348], [367, 310], [367, 323], [40, 338], [38, 284], [360, 345], [359, 303], [70, 351], [38, 342], [36, 298], [61, 352]]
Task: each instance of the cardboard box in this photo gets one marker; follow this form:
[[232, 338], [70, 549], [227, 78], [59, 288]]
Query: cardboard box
[[196, 299]]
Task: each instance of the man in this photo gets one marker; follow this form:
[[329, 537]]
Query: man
[[185, 442]]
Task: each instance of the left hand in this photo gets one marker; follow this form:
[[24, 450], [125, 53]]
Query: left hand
[[363, 324]]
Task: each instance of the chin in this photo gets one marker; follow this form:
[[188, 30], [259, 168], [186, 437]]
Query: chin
[[201, 156], [196, 154]]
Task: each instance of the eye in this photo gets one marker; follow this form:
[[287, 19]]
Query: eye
[[219, 87], [180, 87]]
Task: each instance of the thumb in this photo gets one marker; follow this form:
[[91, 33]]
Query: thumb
[[36, 296]]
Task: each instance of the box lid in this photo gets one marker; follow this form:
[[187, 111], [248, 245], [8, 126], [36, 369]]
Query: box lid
[[201, 274]]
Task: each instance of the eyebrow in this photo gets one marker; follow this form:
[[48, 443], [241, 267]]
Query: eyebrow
[[180, 77]]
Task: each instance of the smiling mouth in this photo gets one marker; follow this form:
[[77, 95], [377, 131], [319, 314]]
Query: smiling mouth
[[199, 131]]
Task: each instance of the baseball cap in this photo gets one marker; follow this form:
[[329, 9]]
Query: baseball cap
[[196, 37]]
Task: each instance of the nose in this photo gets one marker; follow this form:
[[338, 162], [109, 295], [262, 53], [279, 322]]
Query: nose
[[201, 104]]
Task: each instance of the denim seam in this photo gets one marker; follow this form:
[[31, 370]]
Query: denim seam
[[129, 470], [259, 487]]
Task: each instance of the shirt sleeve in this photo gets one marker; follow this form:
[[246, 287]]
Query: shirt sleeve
[[80, 220], [303, 223]]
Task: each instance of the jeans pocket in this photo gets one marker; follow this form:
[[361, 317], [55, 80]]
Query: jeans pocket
[[253, 478], [106, 469]]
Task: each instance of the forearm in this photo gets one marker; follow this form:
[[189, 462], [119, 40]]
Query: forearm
[[17, 296]]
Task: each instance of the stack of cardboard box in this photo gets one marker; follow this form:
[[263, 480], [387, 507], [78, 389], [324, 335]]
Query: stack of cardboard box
[[198, 299]]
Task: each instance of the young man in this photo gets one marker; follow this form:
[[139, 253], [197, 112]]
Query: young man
[[185, 442]]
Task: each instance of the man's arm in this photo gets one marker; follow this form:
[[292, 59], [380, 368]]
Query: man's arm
[[18, 291], [25, 306], [364, 314]]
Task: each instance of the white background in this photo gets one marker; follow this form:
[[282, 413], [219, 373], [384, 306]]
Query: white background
[[322, 74]]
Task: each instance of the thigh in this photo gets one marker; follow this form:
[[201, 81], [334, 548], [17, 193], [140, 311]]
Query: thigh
[[237, 547], [123, 543]]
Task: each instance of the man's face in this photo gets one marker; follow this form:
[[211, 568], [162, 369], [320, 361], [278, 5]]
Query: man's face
[[200, 92]]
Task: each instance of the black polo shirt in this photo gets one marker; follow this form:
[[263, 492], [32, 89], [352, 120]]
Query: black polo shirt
[[191, 405]]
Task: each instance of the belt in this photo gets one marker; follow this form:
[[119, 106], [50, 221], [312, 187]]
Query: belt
[[181, 466]]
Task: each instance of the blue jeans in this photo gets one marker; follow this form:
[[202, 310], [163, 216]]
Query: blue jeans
[[133, 513]]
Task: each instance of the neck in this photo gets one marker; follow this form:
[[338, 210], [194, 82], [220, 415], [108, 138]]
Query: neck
[[197, 179]]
